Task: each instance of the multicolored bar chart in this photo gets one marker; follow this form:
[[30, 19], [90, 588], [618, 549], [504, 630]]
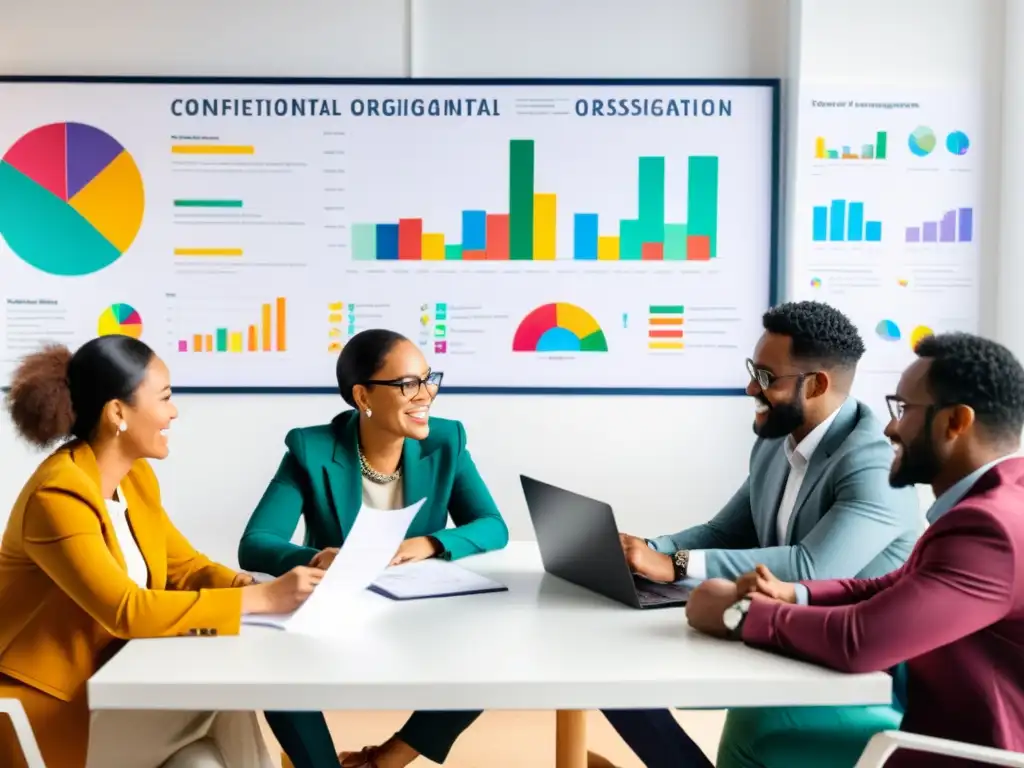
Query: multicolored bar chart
[[528, 230], [843, 221], [665, 327], [956, 226], [269, 334], [876, 151]]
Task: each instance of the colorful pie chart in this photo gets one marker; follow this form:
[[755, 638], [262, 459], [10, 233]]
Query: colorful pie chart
[[958, 143], [120, 320], [887, 330], [71, 199], [922, 141]]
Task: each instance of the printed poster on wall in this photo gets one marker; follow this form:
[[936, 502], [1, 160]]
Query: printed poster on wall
[[887, 219]]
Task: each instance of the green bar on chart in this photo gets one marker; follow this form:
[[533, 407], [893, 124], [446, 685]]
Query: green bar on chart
[[651, 204], [881, 139], [702, 199], [207, 203], [364, 242], [675, 242], [630, 242], [520, 199], [453, 252]]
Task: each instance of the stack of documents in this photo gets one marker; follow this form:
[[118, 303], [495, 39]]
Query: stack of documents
[[363, 563]]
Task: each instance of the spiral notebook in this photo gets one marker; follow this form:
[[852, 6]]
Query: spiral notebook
[[432, 578]]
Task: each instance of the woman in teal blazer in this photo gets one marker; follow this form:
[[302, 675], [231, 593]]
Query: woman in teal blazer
[[387, 452]]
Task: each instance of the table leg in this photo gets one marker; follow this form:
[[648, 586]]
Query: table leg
[[571, 738]]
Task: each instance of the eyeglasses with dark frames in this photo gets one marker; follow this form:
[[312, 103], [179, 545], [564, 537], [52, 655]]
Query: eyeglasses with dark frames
[[765, 379], [898, 406], [410, 386]]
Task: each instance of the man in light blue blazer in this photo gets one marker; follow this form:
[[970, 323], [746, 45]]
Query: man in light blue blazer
[[816, 505]]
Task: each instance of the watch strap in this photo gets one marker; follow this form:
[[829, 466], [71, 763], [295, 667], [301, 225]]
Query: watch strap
[[680, 563]]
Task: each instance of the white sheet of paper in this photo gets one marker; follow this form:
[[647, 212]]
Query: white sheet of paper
[[432, 578], [366, 552]]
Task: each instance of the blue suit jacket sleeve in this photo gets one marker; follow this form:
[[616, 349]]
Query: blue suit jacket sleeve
[[866, 515], [732, 528]]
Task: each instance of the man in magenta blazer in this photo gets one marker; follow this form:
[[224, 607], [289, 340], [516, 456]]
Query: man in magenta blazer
[[955, 611]]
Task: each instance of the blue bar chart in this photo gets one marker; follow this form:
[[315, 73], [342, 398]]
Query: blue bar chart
[[843, 221]]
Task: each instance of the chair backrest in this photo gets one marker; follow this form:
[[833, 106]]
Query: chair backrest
[[882, 745], [23, 731]]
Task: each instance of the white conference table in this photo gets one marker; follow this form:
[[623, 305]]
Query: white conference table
[[544, 644]]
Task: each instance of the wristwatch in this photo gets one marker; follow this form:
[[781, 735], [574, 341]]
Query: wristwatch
[[680, 562], [735, 616]]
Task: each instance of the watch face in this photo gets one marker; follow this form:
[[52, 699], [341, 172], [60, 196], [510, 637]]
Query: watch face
[[731, 617]]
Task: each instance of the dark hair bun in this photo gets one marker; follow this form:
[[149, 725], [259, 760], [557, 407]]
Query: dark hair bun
[[39, 400]]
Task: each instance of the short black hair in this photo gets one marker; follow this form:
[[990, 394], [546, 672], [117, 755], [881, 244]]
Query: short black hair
[[820, 333], [362, 357], [980, 373]]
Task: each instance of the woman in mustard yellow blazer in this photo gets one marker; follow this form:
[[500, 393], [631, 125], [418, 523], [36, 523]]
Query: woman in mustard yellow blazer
[[89, 559]]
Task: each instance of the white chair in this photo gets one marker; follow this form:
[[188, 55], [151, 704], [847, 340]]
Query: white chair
[[882, 745], [23, 731]]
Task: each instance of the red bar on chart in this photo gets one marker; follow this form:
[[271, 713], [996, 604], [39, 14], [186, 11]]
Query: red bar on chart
[[410, 239], [497, 237], [666, 334], [698, 248], [652, 252], [474, 255]]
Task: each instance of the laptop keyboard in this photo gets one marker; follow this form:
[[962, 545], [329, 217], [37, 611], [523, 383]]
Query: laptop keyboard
[[651, 593]]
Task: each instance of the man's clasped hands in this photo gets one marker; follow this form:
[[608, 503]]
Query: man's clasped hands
[[709, 601]]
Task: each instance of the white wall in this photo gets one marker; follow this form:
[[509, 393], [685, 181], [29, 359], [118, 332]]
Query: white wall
[[664, 463]]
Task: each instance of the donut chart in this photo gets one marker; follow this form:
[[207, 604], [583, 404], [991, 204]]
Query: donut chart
[[120, 320], [71, 199], [559, 327]]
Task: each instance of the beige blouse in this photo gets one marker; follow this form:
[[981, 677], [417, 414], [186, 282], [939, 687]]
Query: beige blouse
[[385, 497]]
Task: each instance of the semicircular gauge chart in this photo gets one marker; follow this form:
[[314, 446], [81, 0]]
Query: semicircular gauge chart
[[120, 320], [559, 327], [71, 199]]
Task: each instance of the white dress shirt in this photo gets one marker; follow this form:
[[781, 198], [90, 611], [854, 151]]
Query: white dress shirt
[[137, 569], [799, 456]]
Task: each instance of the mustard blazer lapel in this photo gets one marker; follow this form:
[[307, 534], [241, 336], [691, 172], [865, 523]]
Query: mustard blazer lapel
[[147, 534]]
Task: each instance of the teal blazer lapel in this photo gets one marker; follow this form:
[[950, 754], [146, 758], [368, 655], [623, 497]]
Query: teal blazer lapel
[[419, 476], [344, 478], [770, 496], [836, 435]]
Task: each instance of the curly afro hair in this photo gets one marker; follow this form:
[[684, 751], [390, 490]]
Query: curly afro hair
[[39, 400], [820, 333], [980, 373]]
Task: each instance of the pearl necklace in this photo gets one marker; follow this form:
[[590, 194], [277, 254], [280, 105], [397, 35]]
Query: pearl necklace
[[373, 475]]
